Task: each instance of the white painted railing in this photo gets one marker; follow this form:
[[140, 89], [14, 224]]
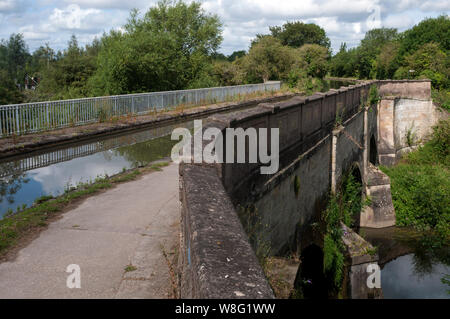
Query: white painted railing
[[42, 116]]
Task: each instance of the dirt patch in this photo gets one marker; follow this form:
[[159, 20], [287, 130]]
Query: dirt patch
[[281, 273]]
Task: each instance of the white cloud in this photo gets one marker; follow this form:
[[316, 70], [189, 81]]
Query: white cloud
[[399, 21], [8, 5], [437, 5], [72, 17], [111, 4], [343, 20]]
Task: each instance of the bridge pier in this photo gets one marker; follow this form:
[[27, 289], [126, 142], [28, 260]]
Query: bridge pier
[[360, 255], [380, 213], [335, 136]]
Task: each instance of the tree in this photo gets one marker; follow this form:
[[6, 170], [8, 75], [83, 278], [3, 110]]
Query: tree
[[17, 55], [228, 73], [236, 54], [314, 60], [435, 30], [67, 76], [267, 60], [169, 48], [430, 61], [387, 62], [41, 59], [344, 63], [219, 57], [370, 47], [13, 58], [9, 93], [297, 34]]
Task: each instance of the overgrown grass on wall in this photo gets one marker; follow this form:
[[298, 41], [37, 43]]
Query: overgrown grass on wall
[[343, 207]]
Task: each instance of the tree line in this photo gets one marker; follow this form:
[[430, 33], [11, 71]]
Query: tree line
[[174, 46], [420, 52]]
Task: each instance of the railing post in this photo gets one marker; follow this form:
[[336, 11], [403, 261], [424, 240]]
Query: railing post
[[46, 111], [1, 123], [17, 120]]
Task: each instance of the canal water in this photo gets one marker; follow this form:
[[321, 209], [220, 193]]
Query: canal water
[[24, 180], [413, 266]]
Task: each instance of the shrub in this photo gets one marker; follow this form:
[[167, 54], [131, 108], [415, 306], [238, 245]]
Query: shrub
[[441, 98], [342, 207], [420, 185]]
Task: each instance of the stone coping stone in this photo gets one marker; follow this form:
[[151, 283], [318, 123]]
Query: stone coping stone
[[359, 251], [223, 263]]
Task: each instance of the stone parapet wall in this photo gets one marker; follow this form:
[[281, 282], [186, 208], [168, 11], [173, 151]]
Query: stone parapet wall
[[407, 89], [216, 259]]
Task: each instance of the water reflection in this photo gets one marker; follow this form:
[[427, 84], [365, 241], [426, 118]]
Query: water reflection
[[413, 265], [10, 184], [24, 180], [400, 279]]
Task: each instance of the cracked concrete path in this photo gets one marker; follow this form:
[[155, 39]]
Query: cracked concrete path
[[135, 223]]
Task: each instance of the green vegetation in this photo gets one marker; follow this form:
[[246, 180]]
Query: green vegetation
[[446, 280], [297, 34], [169, 48], [373, 97], [13, 227], [420, 186], [130, 268], [343, 207], [421, 52]]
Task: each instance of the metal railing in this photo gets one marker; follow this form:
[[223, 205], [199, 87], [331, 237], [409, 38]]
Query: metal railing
[[43, 116]]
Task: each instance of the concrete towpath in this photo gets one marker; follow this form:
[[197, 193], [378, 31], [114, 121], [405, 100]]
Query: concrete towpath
[[135, 224]]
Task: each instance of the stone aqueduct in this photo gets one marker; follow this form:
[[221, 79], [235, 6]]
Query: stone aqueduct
[[321, 137]]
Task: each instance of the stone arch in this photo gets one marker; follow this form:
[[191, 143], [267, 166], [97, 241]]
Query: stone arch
[[373, 151], [356, 172]]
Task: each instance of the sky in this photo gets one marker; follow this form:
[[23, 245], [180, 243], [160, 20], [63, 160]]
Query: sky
[[53, 22]]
